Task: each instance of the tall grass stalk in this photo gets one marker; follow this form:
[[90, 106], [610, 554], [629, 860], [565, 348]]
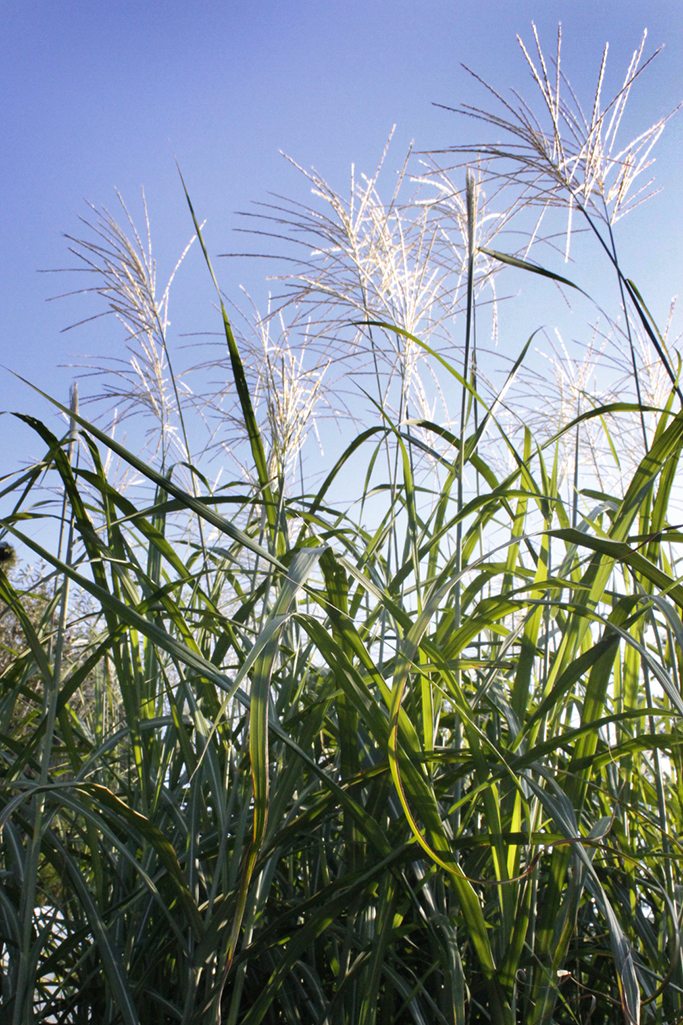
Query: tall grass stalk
[[410, 752]]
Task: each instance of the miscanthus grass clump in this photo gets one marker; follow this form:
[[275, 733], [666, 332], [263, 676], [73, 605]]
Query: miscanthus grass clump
[[398, 742]]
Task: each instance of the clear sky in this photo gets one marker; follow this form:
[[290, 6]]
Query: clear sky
[[97, 95]]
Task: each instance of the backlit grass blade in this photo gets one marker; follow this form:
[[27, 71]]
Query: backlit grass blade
[[250, 422], [187, 500]]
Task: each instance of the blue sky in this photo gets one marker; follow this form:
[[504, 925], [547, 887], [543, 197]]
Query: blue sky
[[104, 95]]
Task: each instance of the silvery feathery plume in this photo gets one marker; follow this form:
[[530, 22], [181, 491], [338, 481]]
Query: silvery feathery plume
[[371, 260], [124, 272], [563, 156], [558, 156], [365, 260], [290, 395]]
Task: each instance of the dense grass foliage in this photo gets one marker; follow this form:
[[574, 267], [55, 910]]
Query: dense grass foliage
[[271, 757]]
